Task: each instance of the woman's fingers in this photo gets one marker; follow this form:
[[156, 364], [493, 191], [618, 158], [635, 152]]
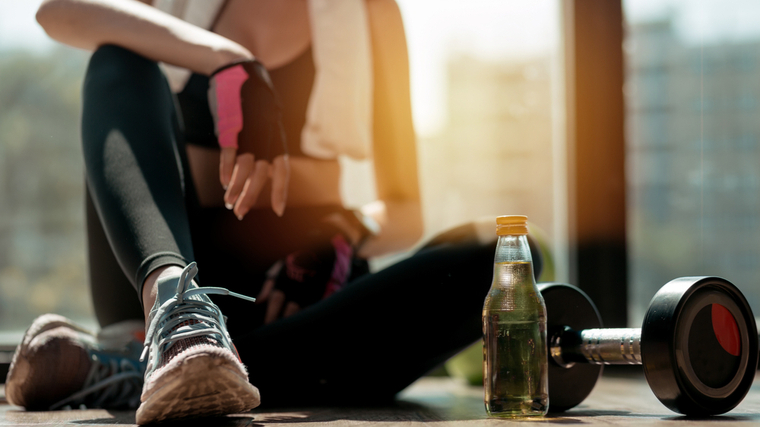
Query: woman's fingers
[[247, 179], [253, 185], [226, 165], [290, 309], [280, 174], [266, 289], [241, 171], [276, 301], [271, 275]]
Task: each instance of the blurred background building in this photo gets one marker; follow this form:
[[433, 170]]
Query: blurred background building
[[496, 145], [693, 152], [42, 251]]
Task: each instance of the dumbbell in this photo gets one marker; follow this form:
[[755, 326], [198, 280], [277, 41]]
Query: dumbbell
[[698, 345]]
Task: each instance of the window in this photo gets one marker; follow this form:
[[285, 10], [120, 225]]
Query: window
[[702, 216], [486, 82], [42, 251]]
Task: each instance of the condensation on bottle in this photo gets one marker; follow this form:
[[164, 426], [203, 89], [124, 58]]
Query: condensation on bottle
[[515, 363]]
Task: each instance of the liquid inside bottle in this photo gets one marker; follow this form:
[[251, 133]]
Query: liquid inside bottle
[[514, 344]]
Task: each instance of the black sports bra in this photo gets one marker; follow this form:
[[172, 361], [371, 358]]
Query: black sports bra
[[293, 82]]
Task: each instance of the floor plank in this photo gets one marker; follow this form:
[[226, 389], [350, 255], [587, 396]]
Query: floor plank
[[616, 400]]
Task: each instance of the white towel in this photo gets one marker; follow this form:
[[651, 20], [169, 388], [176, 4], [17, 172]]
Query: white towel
[[339, 114]]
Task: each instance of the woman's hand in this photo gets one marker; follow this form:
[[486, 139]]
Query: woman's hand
[[324, 266], [306, 277], [247, 117]]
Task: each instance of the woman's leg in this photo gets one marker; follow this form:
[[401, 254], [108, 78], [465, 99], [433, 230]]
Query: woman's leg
[[134, 162], [379, 334], [136, 167], [113, 297]]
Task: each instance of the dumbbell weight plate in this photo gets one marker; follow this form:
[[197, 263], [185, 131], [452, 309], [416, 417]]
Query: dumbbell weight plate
[[699, 345], [567, 305]]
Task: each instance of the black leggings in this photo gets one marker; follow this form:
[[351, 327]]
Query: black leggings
[[365, 343]]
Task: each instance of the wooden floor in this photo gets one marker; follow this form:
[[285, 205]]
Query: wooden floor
[[435, 401]]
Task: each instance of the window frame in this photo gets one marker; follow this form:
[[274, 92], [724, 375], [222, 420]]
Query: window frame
[[595, 144]]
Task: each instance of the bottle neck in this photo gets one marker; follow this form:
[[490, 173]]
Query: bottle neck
[[512, 248]]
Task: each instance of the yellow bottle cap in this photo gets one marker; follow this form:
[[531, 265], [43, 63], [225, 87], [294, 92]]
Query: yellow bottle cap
[[515, 225]]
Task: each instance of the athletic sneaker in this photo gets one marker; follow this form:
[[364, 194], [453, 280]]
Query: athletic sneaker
[[192, 367], [61, 364]]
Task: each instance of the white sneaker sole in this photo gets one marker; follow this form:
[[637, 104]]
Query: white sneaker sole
[[200, 386]]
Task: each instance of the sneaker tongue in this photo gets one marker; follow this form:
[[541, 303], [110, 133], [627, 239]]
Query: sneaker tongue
[[167, 289]]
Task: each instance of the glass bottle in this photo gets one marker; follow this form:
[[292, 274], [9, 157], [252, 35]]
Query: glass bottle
[[515, 363]]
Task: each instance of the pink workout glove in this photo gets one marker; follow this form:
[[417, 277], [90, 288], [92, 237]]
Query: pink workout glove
[[248, 122], [323, 266], [306, 276]]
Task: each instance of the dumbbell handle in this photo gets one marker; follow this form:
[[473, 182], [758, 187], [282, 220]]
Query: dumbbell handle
[[621, 346]]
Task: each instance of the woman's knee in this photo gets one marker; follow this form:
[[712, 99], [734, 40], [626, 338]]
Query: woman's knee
[[481, 237], [114, 68], [126, 92]]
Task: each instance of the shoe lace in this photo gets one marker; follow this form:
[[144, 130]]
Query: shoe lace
[[114, 381], [187, 315]]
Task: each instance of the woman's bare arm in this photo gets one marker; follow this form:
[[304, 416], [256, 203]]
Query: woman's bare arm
[[156, 35], [88, 24], [398, 209]]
